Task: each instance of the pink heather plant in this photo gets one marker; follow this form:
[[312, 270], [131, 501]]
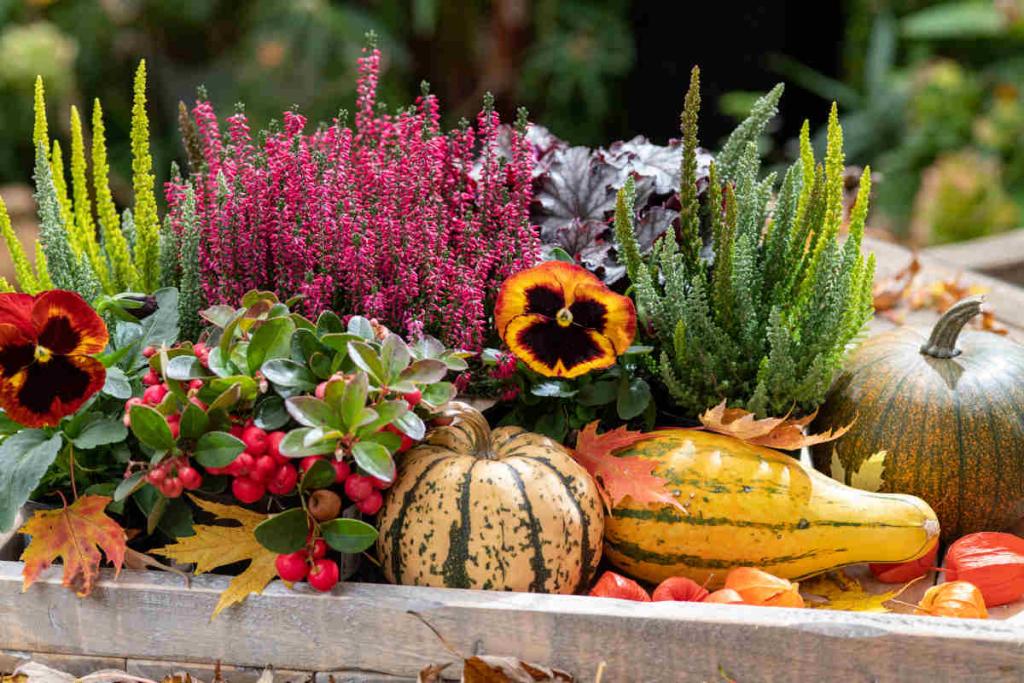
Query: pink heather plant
[[394, 219]]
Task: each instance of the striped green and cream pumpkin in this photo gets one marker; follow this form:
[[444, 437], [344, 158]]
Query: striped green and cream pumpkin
[[502, 510], [948, 411]]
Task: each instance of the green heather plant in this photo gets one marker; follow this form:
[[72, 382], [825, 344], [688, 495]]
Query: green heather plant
[[767, 324]]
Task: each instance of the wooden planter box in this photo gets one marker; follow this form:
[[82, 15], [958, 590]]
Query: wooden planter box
[[149, 623]]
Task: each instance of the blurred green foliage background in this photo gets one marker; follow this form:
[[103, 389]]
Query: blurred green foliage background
[[931, 91]]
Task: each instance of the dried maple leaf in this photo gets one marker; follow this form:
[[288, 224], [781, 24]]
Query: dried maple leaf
[[619, 477], [214, 546], [889, 292], [839, 591], [783, 433], [489, 669], [76, 533]]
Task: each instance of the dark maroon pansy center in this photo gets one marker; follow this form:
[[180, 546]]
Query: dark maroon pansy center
[[589, 313], [57, 378], [14, 357], [59, 336], [549, 342], [544, 300]]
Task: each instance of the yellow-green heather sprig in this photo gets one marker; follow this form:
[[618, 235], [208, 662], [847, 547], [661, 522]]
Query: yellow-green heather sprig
[[23, 274], [123, 277], [42, 269], [82, 232], [40, 132], [61, 183], [147, 224]]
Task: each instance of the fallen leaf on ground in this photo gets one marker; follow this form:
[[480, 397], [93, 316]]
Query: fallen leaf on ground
[[842, 592], [488, 669], [619, 477], [782, 433], [889, 292], [75, 533], [432, 673], [134, 559], [214, 546]]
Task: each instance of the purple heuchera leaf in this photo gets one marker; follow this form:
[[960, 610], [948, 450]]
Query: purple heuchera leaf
[[579, 188]]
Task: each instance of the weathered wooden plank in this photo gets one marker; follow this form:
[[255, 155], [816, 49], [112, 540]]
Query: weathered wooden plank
[[368, 629], [999, 255]]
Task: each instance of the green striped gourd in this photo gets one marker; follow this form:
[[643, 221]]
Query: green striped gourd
[[745, 505], [502, 510]]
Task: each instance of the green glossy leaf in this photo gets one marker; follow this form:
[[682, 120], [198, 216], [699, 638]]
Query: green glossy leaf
[[128, 486], [633, 397], [374, 459], [272, 340], [598, 393], [349, 535], [411, 425], [310, 411], [395, 355], [24, 459], [553, 389], [353, 400], [384, 413], [285, 372], [271, 414], [560, 254], [339, 340], [194, 421], [219, 364], [361, 327], [329, 323], [183, 368], [293, 444], [365, 357], [150, 427], [388, 440], [227, 400], [116, 384], [219, 315], [438, 393], [217, 449], [101, 432], [283, 533], [247, 387], [425, 371], [320, 476], [321, 366]]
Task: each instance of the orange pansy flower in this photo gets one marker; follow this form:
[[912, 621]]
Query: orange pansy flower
[[562, 321], [46, 368]]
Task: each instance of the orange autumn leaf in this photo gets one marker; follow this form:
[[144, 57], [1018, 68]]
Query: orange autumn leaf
[[782, 433], [619, 477], [761, 588], [953, 599], [75, 533], [890, 291]]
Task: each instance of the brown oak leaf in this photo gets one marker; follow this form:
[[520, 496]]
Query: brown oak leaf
[[782, 433], [75, 533], [618, 477]]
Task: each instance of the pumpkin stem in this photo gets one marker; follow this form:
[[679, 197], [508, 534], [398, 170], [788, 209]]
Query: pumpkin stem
[[942, 342]]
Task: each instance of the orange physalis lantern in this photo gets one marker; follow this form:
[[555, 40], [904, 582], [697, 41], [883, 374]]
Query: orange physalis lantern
[[725, 596], [761, 588], [46, 365], [992, 561], [562, 321], [612, 585], [953, 599], [680, 589]]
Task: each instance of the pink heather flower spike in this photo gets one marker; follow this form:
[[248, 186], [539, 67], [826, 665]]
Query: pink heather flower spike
[[394, 219]]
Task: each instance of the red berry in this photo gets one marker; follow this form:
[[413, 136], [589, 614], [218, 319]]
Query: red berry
[[127, 420], [358, 487], [151, 378], [236, 431], [406, 444], [380, 483], [319, 549], [175, 427], [172, 487], [132, 402], [149, 351], [321, 390], [274, 440], [413, 398], [243, 464], [216, 470], [156, 476], [194, 400], [266, 468], [247, 490], [371, 504], [341, 471], [255, 440], [292, 567], [284, 480], [200, 349], [154, 394], [195, 385], [308, 461], [190, 477], [324, 575]]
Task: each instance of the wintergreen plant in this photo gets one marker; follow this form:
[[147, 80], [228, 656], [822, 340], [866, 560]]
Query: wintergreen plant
[[768, 323]]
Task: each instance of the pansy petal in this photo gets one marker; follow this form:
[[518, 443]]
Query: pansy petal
[[43, 393], [16, 309], [612, 315], [16, 350], [67, 325], [543, 289], [553, 350]]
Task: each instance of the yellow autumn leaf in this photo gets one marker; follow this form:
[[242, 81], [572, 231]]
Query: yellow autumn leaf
[[837, 590], [867, 477], [215, 546]]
